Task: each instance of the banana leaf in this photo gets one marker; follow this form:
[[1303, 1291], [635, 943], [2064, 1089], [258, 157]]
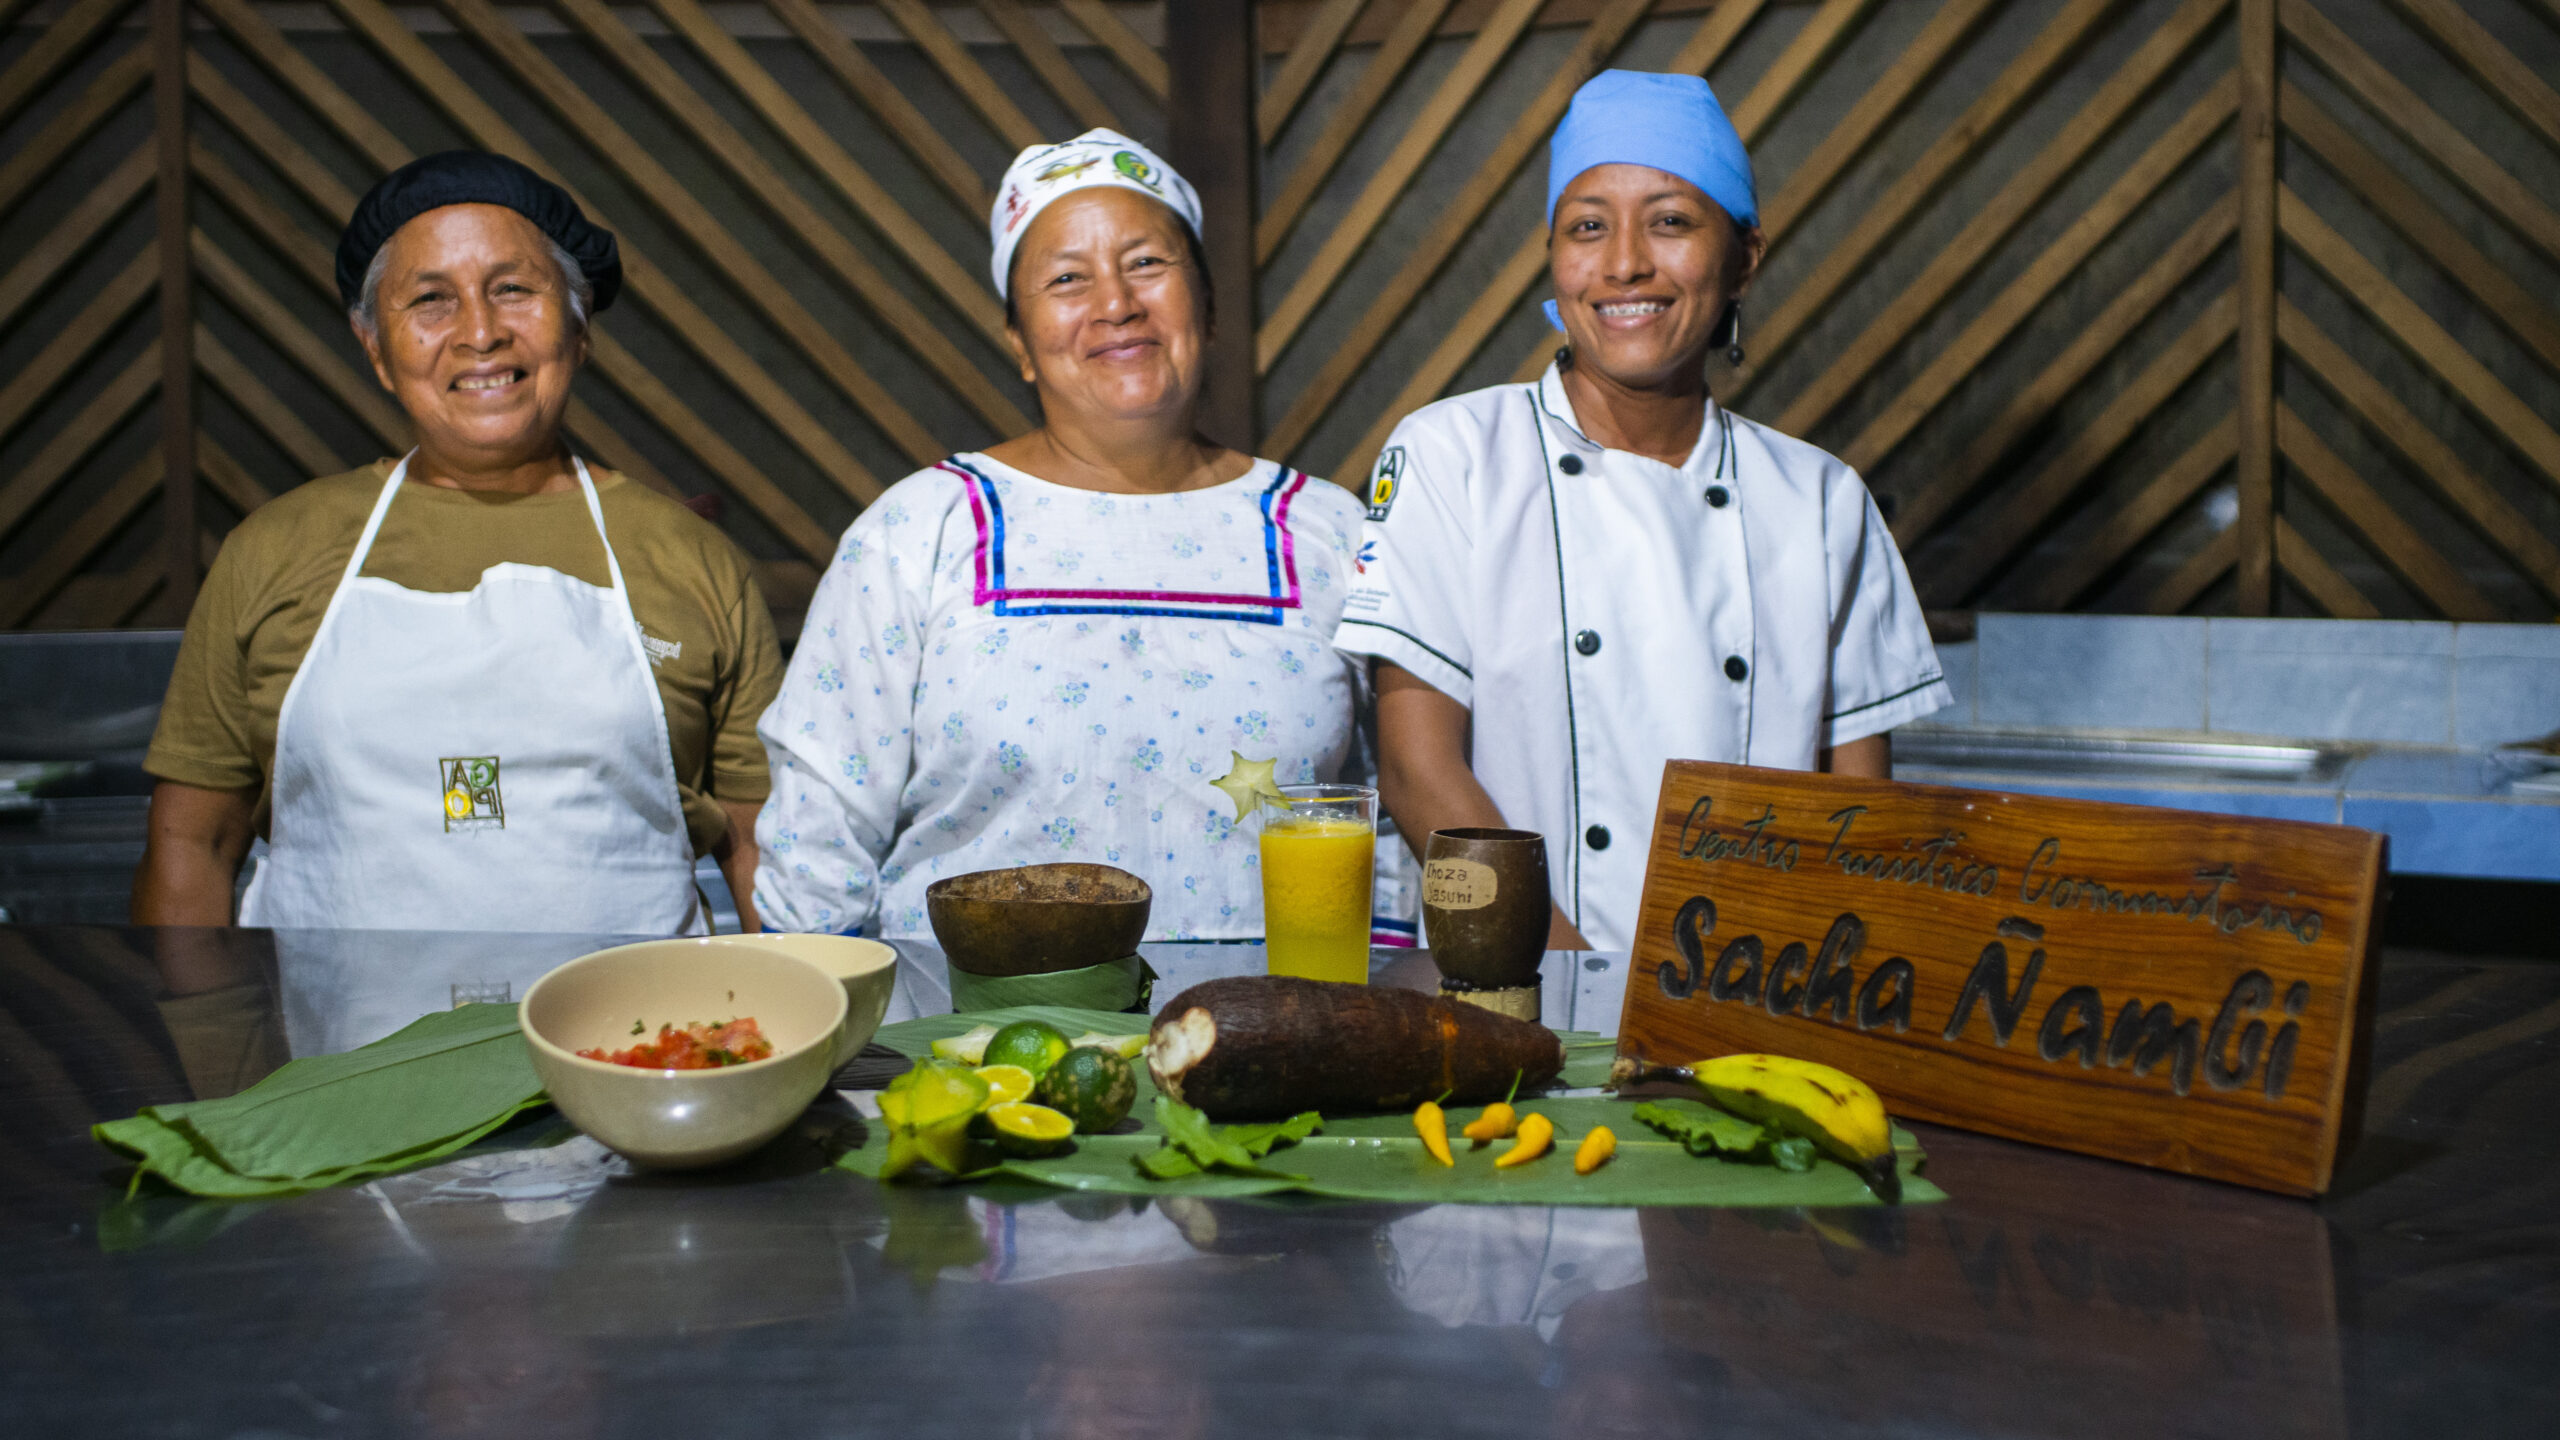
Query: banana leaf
[[1379, 1158], [405, 1100]]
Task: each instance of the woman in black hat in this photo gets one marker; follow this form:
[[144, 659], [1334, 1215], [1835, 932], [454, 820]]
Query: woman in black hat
[[481, 687]]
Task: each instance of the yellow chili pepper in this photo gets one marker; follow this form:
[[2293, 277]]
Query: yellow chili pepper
[[1433, 1127], [1537, 1134], [1595, 1150], [1496, 1123]]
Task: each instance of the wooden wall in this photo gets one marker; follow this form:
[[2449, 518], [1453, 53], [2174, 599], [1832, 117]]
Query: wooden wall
[[2217, 306]]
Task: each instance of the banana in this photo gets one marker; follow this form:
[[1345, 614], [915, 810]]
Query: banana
[[1839, 1113]]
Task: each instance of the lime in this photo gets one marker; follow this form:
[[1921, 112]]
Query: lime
[[1127, 1047], [1006, 1083], [1028, 1130], [1092, 1086], [968, 1047], [1035, 1045]]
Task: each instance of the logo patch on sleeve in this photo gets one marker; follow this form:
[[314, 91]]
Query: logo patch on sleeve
[[1385, 481]]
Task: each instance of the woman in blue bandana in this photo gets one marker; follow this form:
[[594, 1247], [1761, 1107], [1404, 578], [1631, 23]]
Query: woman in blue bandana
[[1621, 570]]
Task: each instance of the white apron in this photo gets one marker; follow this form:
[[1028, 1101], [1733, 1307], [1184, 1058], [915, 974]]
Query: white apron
[[494, 759]]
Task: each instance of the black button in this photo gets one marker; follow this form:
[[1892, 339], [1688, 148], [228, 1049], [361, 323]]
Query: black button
[[1597, 837], [1718, 497], [1588, 642], [1734, 669], [1571, 464]]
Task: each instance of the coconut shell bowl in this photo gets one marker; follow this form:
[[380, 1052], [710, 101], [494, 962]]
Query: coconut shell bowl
[[1038, 919]]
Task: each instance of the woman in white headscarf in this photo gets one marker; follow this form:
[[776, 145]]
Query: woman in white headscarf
[[1047, 650]]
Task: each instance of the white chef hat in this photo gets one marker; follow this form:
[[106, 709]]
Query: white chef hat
[[1043, 173]]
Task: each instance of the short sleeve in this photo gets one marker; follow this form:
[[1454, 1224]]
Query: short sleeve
[[738, 763], [1409, 575], [204, 736], [1884, 671]]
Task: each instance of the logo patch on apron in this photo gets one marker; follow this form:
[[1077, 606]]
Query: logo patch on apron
[[1383, 482], [471, 798]]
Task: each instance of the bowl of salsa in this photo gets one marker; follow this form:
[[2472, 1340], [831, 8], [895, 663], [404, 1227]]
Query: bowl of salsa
[[682, 1053]]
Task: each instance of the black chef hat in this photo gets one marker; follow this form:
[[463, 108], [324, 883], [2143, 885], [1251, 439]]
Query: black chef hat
[[474, 177]]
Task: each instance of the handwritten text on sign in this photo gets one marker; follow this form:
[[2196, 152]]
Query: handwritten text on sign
[[2160, 986]]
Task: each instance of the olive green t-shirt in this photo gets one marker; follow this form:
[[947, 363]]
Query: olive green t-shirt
[[709, 636]]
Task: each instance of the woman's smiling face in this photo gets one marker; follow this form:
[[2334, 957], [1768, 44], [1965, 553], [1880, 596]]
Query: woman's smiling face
[[1644, 265], [1110, 316], [475, 333]]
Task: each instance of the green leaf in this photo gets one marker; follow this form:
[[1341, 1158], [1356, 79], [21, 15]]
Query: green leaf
[[1233, 1148], [1703, 1131], [1794, 1153]]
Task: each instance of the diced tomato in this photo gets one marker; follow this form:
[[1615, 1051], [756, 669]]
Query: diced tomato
[[698, 1046]]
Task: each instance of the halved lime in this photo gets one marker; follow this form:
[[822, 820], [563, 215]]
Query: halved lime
[[1028, 1130], [968, 1047], [1035, 1045], [1006, 1083]]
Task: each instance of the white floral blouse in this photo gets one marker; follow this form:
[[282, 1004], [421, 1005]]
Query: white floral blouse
[[998, 670]]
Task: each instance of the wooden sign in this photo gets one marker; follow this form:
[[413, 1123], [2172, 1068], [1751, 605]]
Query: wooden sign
[[2177, 989]]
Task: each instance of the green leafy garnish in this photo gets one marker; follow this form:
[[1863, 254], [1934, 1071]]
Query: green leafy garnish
[[1701, 1131], [1192, 1144]]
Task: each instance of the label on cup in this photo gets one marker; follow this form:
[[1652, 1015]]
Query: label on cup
[[1458, 884]]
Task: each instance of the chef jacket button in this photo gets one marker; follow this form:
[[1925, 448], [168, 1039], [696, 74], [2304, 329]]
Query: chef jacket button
[[1718, 497], [1734, 669], [1597, 837], [1571, 464], [1588, 642]]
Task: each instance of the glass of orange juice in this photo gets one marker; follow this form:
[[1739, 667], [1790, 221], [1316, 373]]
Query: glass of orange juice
[[1317, 844]]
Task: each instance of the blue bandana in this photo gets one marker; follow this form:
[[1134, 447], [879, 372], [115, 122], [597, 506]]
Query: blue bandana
[[1670, 122]]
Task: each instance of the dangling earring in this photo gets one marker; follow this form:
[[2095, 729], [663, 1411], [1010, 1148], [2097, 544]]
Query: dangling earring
[[1728, 334], [1564, 357]]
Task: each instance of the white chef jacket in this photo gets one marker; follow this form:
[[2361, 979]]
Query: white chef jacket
[[1612, 613]]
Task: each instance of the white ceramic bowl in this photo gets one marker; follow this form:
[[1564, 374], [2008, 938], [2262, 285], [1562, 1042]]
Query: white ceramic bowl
[[683, 1119], [868, 970]]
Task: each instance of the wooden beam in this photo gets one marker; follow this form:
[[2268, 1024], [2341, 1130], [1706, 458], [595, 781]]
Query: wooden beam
[[2491, 63], [1049, 61], [1209, 45], [2020, 298], [264, 408], [862, 80], [1387, 183], [48, 257], [2393, 541], [87, 429], [2304, 566], [2163, 496], [686, 320], [53, 140], [2031, 408], [1993, 537], [660, 403], [262, 42], [106, 513], [1786, 77], [1948, 28], [2195, 574], [2410, 324], [168, 43], [965, 74], [2254, 531], [1345, 124], [1126, 46], [963, 288], [1315, 46], [2497, 520], [2520, 310], [228, 478], [1925, 178], [901, 320], [69, 37], [59, 358], [1455, 220], [1998, 217], [2398, 106]]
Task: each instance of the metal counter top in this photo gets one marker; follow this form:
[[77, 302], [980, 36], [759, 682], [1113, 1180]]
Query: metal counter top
[[536, 1287]]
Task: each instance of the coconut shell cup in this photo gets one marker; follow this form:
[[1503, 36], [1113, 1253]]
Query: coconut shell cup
[[1038, 919], [1484, 905]]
